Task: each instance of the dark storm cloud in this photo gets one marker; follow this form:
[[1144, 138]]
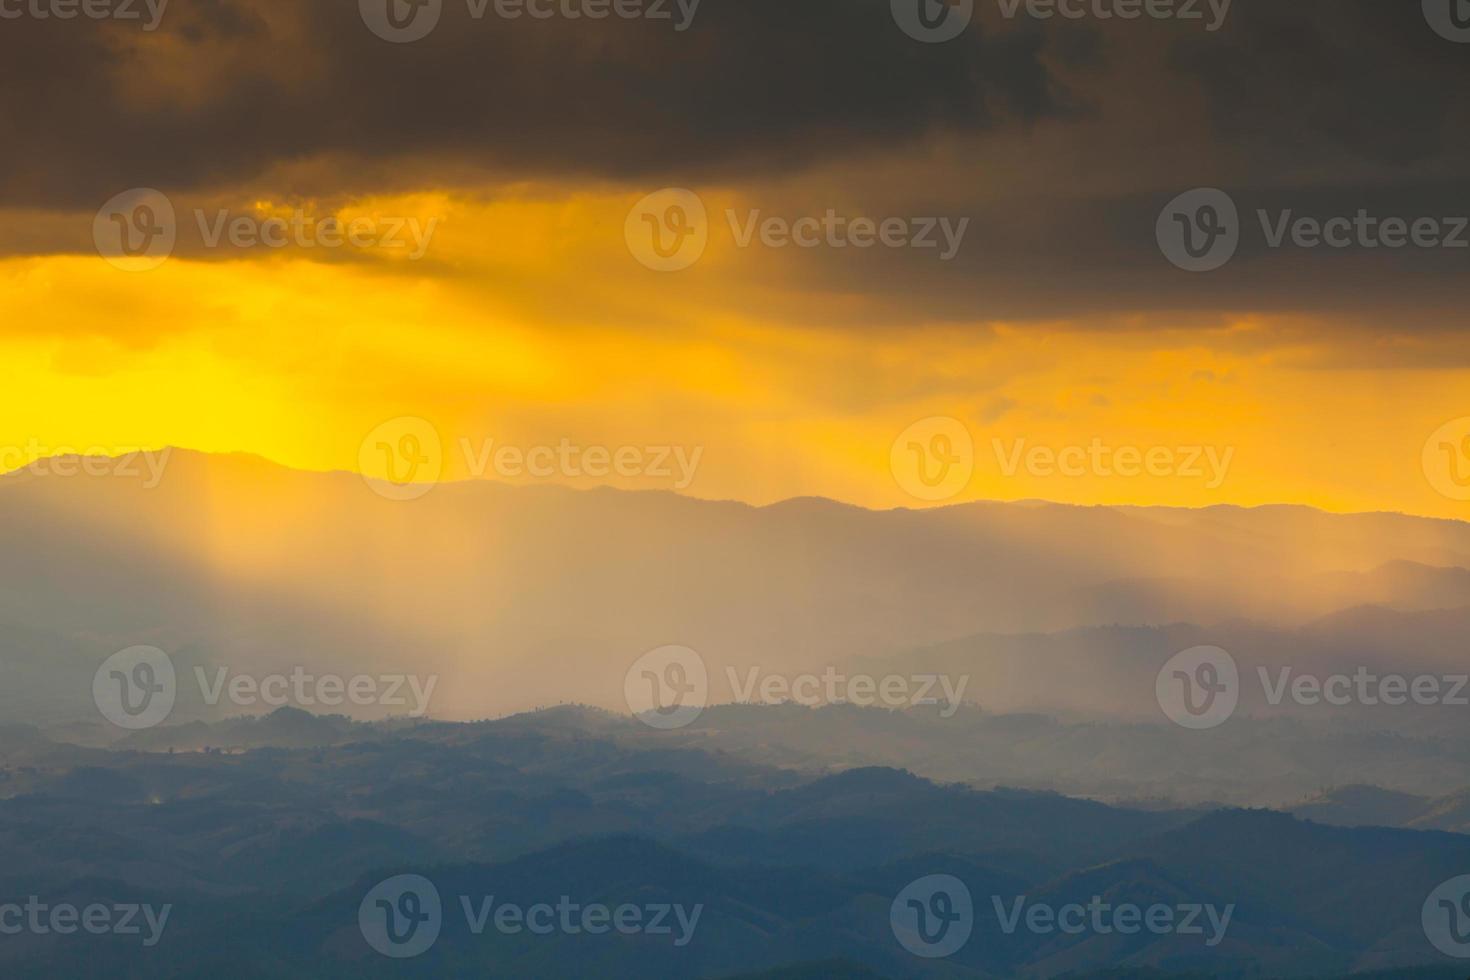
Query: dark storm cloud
[[226, 89], [1062, 139], [1316, 111], [1364, 78]]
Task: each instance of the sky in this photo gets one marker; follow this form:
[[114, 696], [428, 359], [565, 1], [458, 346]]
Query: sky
[[891, 270]]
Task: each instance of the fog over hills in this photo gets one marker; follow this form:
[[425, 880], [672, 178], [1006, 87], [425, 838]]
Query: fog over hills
[[236, 562]]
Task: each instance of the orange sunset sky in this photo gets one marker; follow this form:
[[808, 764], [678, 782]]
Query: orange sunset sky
[[527, 320]]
